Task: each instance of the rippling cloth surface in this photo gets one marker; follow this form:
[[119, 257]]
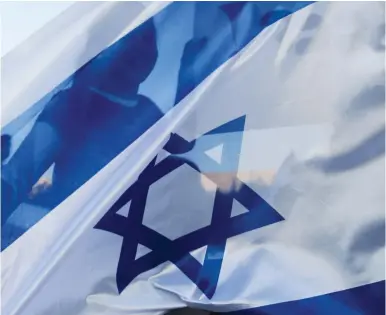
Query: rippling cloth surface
[[226, 156]]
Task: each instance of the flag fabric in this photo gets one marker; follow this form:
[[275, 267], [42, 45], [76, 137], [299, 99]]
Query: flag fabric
[[226, 156]]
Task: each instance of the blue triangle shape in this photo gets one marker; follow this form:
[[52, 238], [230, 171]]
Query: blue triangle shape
[[236, 125]]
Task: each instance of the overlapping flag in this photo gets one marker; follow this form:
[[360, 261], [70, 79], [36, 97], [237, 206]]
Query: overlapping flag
[[225, 156]]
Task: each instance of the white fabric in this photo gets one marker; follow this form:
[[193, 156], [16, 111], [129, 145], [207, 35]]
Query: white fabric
[[302, 110]]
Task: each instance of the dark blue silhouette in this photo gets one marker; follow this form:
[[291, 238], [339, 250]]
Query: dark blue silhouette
[[84, 127], [5, 147]]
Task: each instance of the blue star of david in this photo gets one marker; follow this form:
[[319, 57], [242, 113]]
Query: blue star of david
[[205, 276]]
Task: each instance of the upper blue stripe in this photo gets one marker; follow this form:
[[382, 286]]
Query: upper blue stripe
[[82, 128]]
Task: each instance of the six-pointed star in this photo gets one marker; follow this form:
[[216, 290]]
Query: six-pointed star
[[214, 236]]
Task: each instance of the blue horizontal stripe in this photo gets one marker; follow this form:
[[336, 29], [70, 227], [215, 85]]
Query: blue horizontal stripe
[[363, 300], [82, 128]]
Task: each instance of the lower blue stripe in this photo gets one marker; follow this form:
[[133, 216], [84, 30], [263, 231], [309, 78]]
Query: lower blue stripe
[[364, 300]]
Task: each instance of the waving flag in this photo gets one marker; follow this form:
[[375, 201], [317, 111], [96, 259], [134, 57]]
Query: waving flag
[[227, 156]]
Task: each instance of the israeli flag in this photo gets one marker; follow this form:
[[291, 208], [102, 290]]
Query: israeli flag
[[223, 156]]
